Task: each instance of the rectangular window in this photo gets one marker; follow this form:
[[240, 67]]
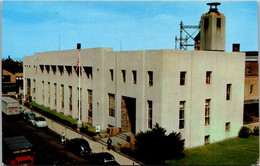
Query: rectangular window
[[70, 98], [123, 76], [34, 86], [228, 126], [150, 78], [182, 77], [207, 111], [207, 139], [88, 71], [43, 91], [206, 23], [111, 74], [6, 78], [62, 96], [55, 94], [150, 114], [228, 92], [89, 106], [218, 22], [49, 93], [111, 98], [208, 77], [248, 70], [181, 114], [134, 76], [251, 89]]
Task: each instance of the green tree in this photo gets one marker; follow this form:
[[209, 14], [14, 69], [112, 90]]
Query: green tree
[[154, 146], [12, 66]]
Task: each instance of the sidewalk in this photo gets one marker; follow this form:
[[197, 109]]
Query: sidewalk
[[95, 146]]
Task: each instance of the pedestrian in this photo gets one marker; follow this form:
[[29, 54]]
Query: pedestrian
[[63, 138], [109, 143]]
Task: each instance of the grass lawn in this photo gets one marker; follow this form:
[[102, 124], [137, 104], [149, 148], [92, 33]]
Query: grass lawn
[[236, 151]]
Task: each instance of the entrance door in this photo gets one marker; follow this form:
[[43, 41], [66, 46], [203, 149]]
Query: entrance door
[[128, 114]]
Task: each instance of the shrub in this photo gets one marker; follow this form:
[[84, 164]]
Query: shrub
[[154, 146], [256, 130], [244, 132]]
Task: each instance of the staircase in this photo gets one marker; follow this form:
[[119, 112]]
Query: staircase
[[120, 140]]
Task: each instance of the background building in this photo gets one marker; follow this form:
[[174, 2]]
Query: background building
[[251, 84]]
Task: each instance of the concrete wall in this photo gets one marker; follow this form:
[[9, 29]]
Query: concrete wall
[[165, 93]]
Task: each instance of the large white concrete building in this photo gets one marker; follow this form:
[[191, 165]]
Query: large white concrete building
[[197, 93]]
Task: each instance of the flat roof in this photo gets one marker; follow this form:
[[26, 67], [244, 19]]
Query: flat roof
[[9, 100]]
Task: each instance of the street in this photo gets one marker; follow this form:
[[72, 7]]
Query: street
[[47, 146]]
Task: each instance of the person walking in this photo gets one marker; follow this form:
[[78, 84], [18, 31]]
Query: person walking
[[109, 143], [63, 138]]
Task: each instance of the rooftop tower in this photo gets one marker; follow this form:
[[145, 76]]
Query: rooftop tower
[[212, 34]]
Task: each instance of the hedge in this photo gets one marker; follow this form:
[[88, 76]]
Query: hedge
[[66, 120]]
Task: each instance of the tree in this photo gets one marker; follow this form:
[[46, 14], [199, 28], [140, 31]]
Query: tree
[[12, 66], [154, 146]]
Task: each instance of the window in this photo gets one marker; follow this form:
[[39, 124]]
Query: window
[[49, 91], [34, 86], [208, 77], [251, 89], [181, 114], [228, 126], [150, 78], [43, 91], [55, 94], [70, 98], [89, 106], [218, 22], [228, 92], [6, 78], [206, 139], [88, 71], [206, 23], [207, 111], [182, 77], [111, 74], [248, 70], [62, 96], [111, 98], [123, 76], [134, 76], [150, 114]]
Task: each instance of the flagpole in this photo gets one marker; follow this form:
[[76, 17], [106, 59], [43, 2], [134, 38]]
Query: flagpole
[[79, 123]]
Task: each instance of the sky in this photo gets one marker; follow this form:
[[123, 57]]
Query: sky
[[29, 27]]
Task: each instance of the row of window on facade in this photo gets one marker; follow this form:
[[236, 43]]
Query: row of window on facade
[[207, 109], [89, 72], [227, 129]]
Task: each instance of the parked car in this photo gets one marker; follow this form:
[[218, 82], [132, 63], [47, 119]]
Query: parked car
[[39, 122], [102, 158], [29, 116], [79, 146]]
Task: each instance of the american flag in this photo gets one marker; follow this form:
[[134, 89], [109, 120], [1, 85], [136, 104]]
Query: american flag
[[77, 66]]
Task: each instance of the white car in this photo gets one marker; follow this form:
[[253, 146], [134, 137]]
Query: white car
[[39, 122]]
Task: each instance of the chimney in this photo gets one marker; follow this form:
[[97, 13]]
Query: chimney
[[236, 47], [78, 46]]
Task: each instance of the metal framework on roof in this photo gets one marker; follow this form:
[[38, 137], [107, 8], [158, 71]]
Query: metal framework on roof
[[183, 42]]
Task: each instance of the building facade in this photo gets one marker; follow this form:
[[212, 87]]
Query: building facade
[[251, 99], [11, 82], [197, 93]]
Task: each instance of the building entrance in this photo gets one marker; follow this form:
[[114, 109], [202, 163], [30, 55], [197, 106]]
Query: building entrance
[[128, 114]]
